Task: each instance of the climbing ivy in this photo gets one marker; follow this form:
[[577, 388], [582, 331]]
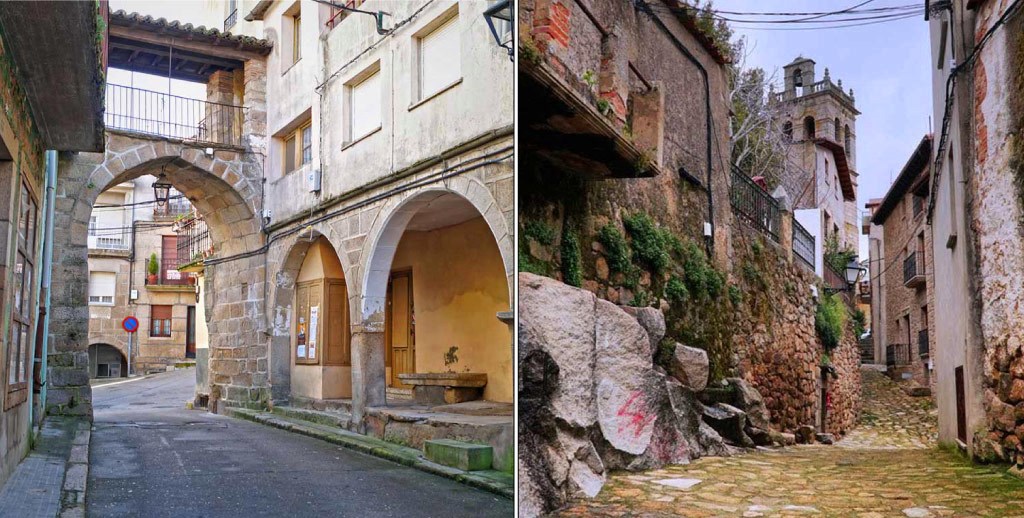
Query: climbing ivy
[[572, 270], [616, 249], [829, 321]]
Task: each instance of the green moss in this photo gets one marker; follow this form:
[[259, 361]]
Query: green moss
[[528, 50], [665, 352], [616, 249], [702, 279], [572, 270], [735, 295], [829, 321], [539, 231], [675, 290], [604, 106], [648, 241], [641, 299]]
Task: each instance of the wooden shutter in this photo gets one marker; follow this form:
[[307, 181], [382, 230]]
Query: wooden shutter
[[308, 294], [337, 348], [169, 261]]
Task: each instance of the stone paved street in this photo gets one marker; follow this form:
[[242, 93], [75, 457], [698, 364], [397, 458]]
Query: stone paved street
[[888, 466]]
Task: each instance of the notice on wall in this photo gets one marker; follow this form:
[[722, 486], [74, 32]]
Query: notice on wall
[[174, 275], [300, 351], [314, 321]]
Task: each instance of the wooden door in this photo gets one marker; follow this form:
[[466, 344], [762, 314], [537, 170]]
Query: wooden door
[[190, 333], [961, 403], [400, 338]]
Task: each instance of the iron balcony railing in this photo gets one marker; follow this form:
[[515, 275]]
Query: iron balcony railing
[[168, 274], [751, 202], [922, 343], [194, 242], [172, 116], [913, 273], [803, 244], [230, 21], [176, 206], [897, 355]]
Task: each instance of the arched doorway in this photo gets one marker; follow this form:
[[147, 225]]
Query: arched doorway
[[107, 361], [436, 279]]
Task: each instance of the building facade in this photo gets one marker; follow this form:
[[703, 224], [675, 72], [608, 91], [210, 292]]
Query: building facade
[[909, 289], [133, 260], [975, 211], [876, 280], [819, 120]]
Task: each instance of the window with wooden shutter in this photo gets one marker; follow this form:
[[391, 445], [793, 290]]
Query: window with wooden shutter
[[160, 321], [440, 58], [338, 347], [308, 322], [23, 309], [101, 288]]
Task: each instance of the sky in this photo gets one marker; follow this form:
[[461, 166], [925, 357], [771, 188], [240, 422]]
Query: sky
[[886, 64]]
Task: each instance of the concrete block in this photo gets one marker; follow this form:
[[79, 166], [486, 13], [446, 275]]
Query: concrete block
[[457, 454]]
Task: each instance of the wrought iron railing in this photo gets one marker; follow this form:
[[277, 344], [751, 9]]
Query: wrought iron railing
[[834, 281], [922, 343], [194, 242], [911, 269], [167, 274], [230, 21], [803, 244], [897, 355], [173, 208], [751, 202], [165, 115]]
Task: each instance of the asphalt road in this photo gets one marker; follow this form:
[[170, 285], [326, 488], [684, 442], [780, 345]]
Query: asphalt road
[[151, 457]]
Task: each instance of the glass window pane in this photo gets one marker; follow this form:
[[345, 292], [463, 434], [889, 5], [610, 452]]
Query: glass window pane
[[12, 371], [440, 63], [27, 290], [307, 145], [19, 280], [23, 355], [365, 105], [289, 154]]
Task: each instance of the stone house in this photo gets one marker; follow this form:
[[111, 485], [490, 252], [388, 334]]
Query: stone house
[[976, 213], [819, 120], [876, 281], [38, 122], [128, 228], [909, 288]]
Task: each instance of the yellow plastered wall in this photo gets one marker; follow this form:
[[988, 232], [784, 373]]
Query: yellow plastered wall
[[459, 287], [320, 381]]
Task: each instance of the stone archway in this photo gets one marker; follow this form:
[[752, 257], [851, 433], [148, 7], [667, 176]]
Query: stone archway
[[368, 380], [102, 357], [222, 185]]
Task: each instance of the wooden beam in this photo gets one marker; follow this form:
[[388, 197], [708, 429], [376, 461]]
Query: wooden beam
[[120, 43], [203, 48]]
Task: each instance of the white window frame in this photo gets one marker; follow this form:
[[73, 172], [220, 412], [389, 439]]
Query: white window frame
[[99, 298], [448, 21], [373, 72]]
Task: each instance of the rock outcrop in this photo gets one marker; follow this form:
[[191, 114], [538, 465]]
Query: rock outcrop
[[690, 366]]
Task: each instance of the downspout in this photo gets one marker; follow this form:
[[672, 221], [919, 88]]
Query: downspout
[[47, 266], [646, 8]]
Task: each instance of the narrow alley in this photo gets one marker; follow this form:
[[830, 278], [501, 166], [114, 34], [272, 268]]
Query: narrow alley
[[889, 465], [152, 457]]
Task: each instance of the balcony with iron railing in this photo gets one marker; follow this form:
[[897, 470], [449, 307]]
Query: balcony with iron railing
[[897, 355], [109, 240], [803, 244], [175, 207], [194, 243], [922, 343], [171, 116], [752, 203], [231, 20], [913, 271], [168, 278]]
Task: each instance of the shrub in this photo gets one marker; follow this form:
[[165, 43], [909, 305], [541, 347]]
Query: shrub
[[665, 352], [620, 258], [701, 278], [859, 322], [648, 241], [735, 295], [829, 320], [675, 290], [540, 232], [572, 272], [153, 267]]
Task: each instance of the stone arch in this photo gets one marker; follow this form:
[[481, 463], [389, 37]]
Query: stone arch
[[292, 252], [100, 351], [221, 184], [378, 251], [808, 127]]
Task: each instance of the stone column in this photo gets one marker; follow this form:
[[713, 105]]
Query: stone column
[[648, 122], [613, 80], [254, 99], [221, 125], [786, 226], [368, 383]]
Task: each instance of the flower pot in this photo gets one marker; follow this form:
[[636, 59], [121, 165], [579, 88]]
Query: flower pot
[[191, 280], [151, 279]]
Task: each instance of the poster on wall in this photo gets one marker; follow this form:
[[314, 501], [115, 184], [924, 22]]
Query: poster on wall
[[314, 320], [300, 339]]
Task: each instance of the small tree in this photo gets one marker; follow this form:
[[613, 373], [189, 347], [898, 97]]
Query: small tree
[[152, 267]]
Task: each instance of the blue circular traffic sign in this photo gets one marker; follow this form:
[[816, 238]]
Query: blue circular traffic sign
[[130, 324]]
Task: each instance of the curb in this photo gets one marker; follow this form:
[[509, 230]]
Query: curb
[[76, 474], [378, 448]]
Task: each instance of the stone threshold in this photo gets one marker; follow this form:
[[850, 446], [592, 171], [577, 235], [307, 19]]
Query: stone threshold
[[490, 480]]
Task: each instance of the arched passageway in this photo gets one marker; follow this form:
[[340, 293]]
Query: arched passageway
[[107, 361]]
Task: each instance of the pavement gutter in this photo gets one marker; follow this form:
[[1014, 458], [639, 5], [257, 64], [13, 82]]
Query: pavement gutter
[[492, 481], [76, 474]]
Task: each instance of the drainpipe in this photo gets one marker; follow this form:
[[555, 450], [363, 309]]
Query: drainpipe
[[47, 266]]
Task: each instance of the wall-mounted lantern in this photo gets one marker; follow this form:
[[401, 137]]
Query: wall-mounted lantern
[[499, 20], [161, 190], [853, 272]]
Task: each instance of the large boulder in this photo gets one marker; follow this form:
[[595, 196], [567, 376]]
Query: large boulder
[[690, 366], [730, 422], [748, 399], [652, 320]]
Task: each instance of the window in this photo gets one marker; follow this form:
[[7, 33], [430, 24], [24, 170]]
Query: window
[[846, 140], [798, 77], [101, 287], [298, 148], [296, 42], [22, 313], [160, 321], [951, 173], [92, 225], [364, 102], [808, 127], [439, 58], [837, 132], [787, 131]]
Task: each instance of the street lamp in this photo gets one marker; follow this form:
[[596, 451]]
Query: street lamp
[[161, 190], [853, 272], [499, 20]]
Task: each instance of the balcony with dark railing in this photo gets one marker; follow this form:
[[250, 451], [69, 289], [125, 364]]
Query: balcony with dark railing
[[175, 207], [752, 203], [194, 243], [922, 343], [897, 355], [803, 244], [913, 271], [231, 20], [168, 278], [171, 116]]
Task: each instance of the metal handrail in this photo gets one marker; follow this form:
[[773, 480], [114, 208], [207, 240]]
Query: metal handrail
[[922, 343], [166, 115], [755, 205], [897, 355], [231, 20], [194, 243]]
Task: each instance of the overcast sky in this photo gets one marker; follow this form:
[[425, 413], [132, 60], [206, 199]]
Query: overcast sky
[[886, 64]]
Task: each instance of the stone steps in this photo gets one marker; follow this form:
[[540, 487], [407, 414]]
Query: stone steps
[[338, 419], [497, 482]]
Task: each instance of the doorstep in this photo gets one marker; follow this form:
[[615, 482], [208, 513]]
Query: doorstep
[[489, 480]]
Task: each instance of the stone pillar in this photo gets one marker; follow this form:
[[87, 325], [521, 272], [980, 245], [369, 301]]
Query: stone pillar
[[613, 80], [786, 220], [368, 383], [648, 122], [254, 99], [221, 125]]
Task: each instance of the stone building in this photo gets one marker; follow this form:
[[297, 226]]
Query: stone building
[[128, 229], [38, 122], [909, 288], [976, 213], [819, 120], [876, 281]]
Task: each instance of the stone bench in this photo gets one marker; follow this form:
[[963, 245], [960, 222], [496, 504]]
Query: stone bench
[[445, 388]]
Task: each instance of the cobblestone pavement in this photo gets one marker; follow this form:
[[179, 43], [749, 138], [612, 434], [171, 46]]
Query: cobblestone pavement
[[888, 466]]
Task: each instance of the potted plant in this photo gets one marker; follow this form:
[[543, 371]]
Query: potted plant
[[152, 269]]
